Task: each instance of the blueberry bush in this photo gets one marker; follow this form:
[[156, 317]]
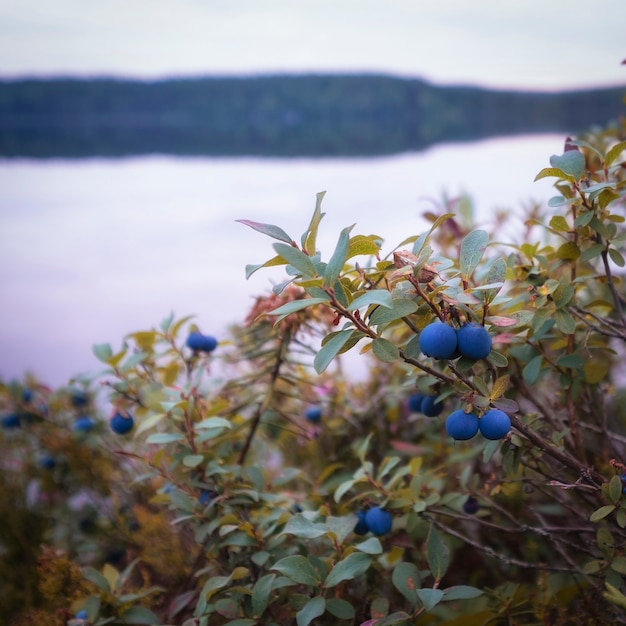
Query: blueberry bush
[[476, 475]]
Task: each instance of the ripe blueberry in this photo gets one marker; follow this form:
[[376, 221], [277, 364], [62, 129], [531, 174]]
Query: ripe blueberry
[[361, 527], [415, 402], [206, 495], [313, 414], [461, 425], [474, 341], [47, 462], [471, 506], [495, 424], [81, 615], [122, 424], [438, 340], [430, 408], [78, 398], [202, 343], [378, 520], [12, 420], [83, 424]]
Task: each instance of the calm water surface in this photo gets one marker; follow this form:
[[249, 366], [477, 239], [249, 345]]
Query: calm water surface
[[91, 250]]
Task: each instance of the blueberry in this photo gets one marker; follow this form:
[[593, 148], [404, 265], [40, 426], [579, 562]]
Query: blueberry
[[201, 343], [81, 615], [47, 462], [461, 425], [361, 527], [438, 340], [474, 341], [313, 414], [12, 420], [78, 398], [471, 506], [27, 396], [430, 408], [378, 520], [83, 424], [121, 424], [495, 424], [206, 495], [415, 402]]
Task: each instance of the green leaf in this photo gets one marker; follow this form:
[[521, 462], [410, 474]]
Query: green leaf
[[399, 618], [614, 595], [565, 322], [437, 554], [296, 305], [619, 562], [309, 238], [370, 546], [472, 249], [614, 152], [296, 258], [330, 350], [421, 241], [568, 251], [268, 229], [273, 262], [342, 489], [602, 512], [363, 245], [298, 568], [616, 257], [193, 460], [430, 598], [615, 489], [352, 566], [102, 351], [374, 296], [261, 594], [496, 274], [338, 259], [94, 576], [139, 615], [559, 223], [554, 171], [400, 307], [532, 370], [385, 350], [572, 361], [461, 592], [583, 219], [572, 162], [406, 579], [162, 438], [312, 609], [499, 387], [340, 608], [213, 422], [300, 526], [340, 526]]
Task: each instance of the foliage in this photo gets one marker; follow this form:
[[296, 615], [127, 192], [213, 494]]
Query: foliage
[[226, 505]]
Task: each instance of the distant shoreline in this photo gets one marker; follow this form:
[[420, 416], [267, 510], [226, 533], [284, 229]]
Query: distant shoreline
[[312, 115]]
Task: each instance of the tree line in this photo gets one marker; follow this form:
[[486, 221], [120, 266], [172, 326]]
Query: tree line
[[281, 116]]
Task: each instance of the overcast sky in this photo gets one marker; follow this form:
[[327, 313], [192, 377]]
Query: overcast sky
[[528, 44]]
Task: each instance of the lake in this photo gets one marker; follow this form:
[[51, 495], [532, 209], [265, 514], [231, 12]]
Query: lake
[[93, 249]]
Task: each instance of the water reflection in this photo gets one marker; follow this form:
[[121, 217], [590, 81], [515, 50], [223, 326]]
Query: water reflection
[[91, 250]]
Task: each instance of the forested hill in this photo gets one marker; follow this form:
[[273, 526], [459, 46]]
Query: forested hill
[[310, 115]]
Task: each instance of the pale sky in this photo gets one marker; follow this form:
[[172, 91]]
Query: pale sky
[[525, 44]]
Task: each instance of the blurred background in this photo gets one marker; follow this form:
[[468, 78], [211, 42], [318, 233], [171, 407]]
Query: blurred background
[[133, 135]]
